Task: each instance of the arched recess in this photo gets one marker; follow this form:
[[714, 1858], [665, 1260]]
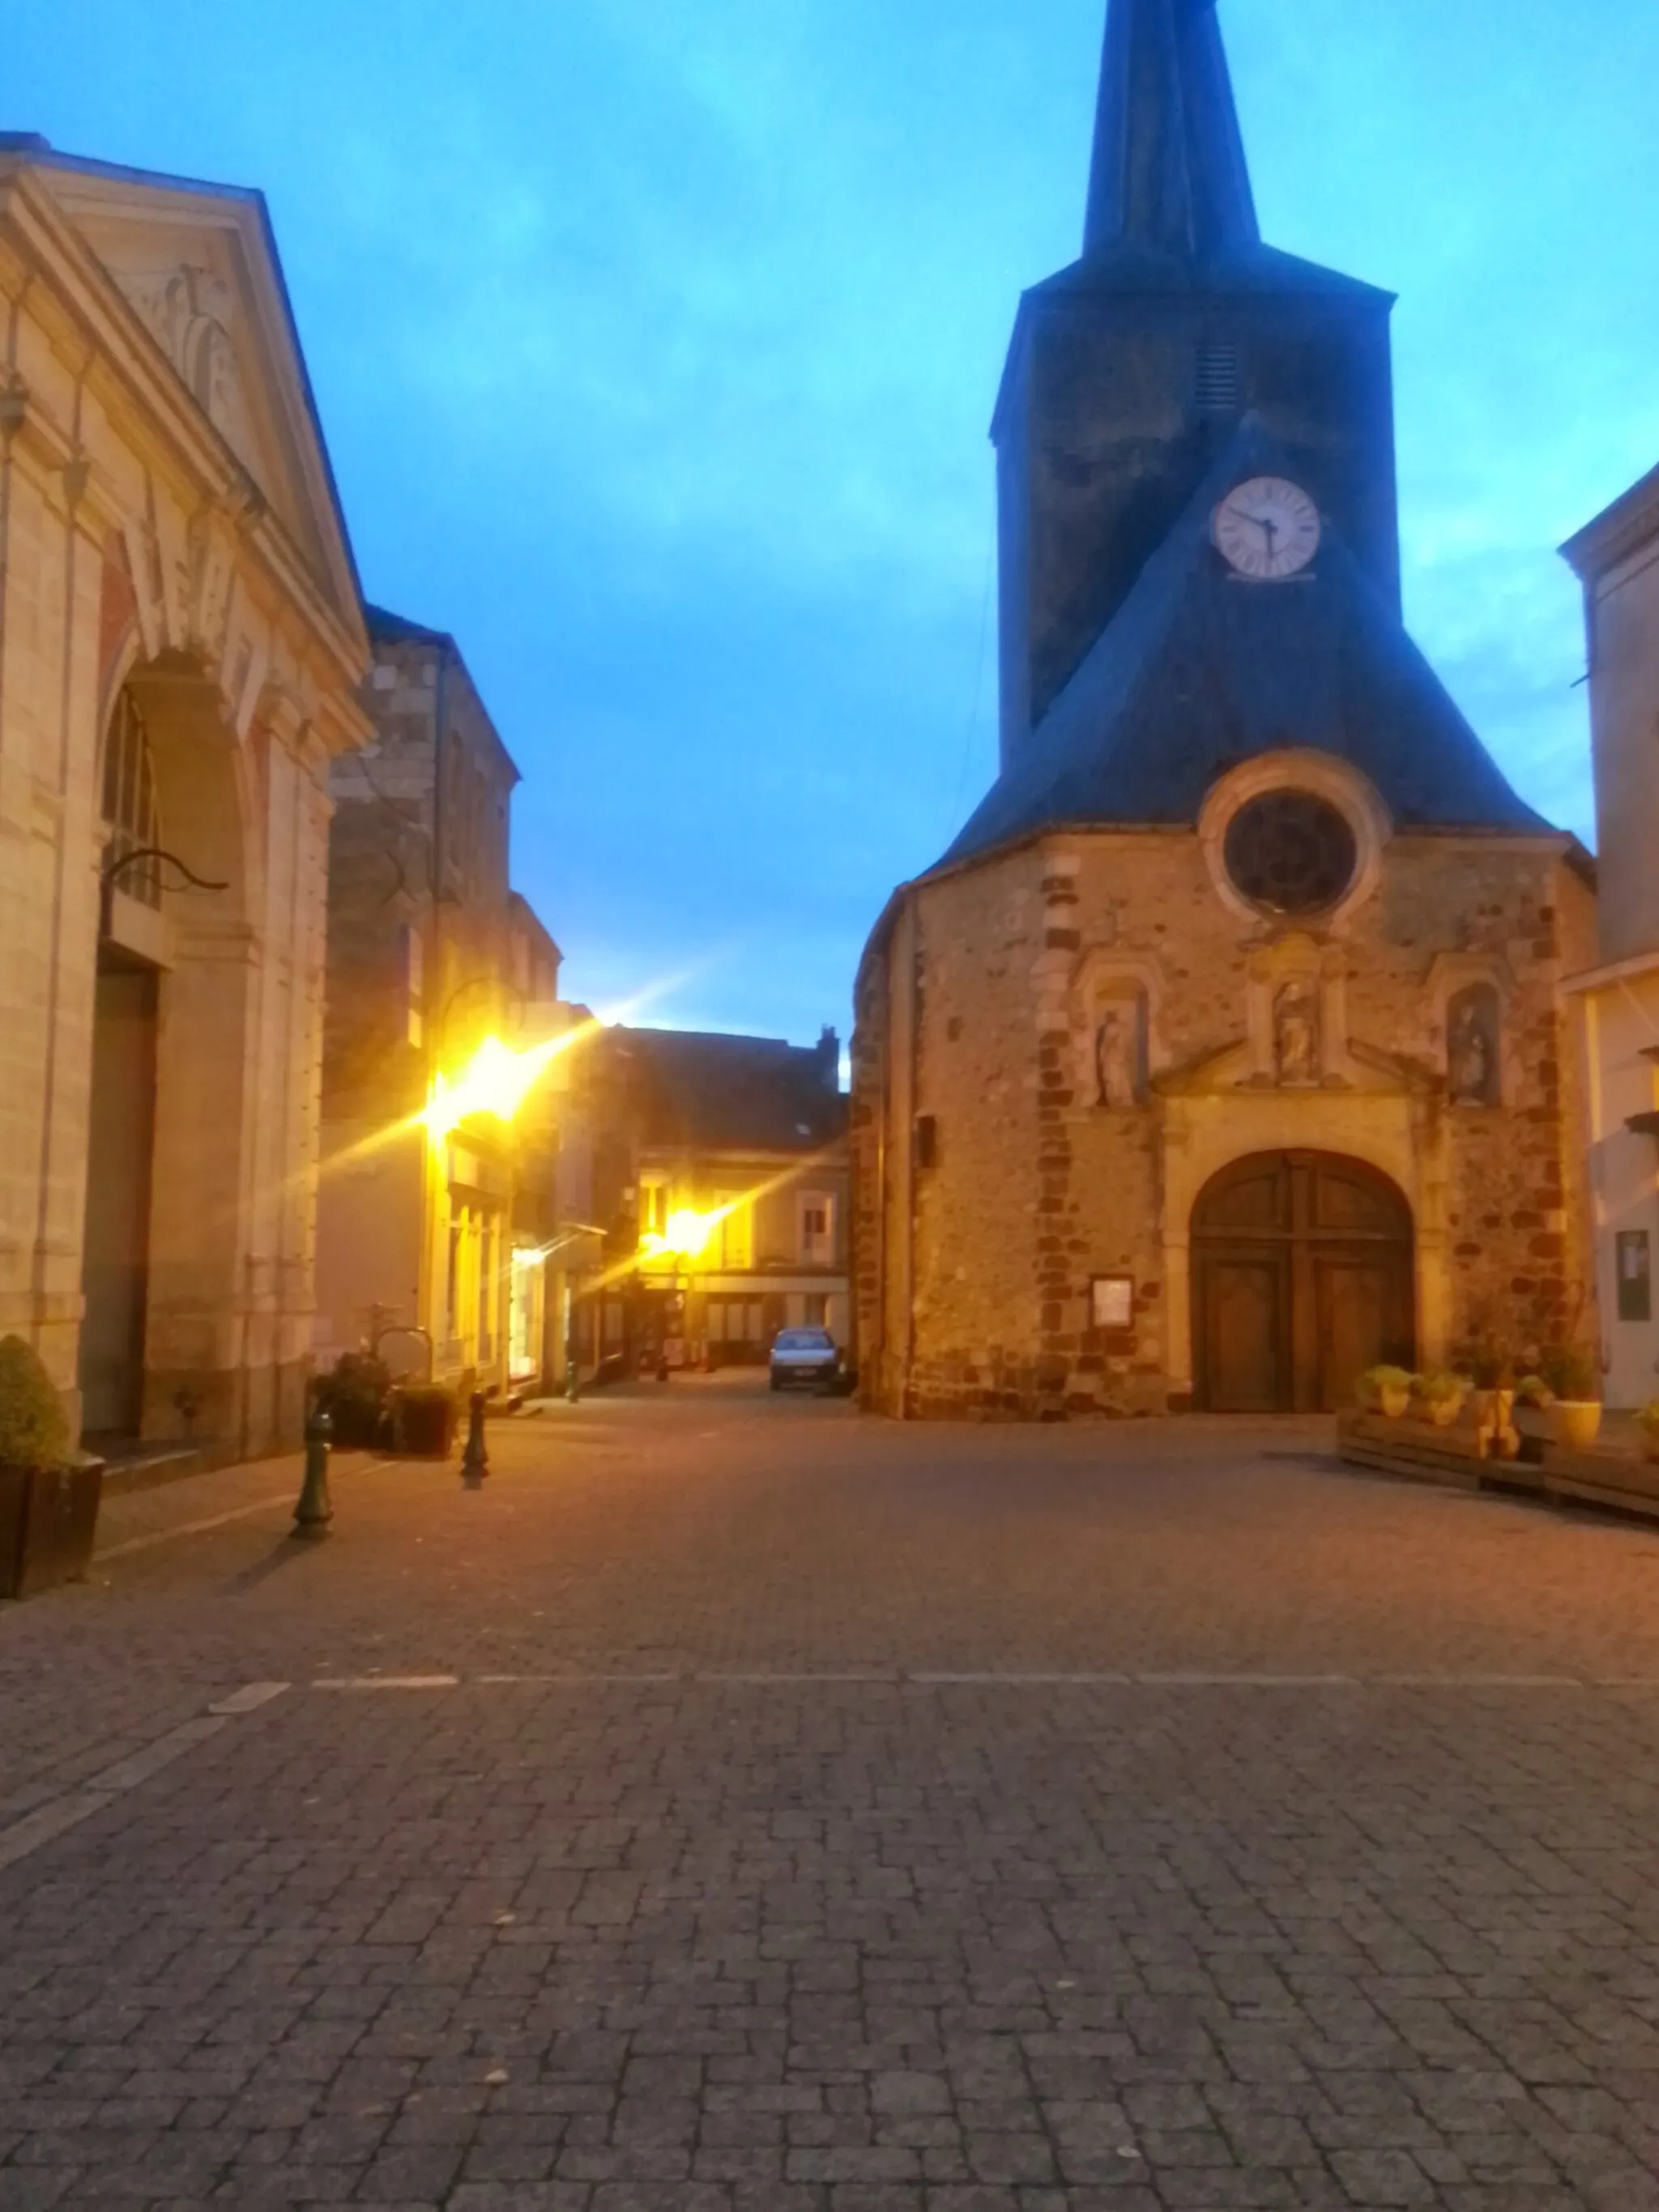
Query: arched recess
[[1303, 1273], [174, 1036]]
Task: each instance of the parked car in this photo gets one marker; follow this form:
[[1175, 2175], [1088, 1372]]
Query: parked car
[[805, 1359]]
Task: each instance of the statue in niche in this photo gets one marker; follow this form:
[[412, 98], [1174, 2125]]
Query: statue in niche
[[1116, 1052], [1472, 1050], [1296, 1034]]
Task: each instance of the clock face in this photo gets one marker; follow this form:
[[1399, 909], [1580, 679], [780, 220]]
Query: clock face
[[1267, 530]]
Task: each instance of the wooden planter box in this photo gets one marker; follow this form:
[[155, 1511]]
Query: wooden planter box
[[1416, 1450], [424, 1424], [48, 1523], [1619, 1479], [1420, 1453]]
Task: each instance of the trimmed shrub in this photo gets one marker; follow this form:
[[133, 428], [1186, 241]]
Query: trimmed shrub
[[34, 1430], [1573, 1374], [354, 1396]]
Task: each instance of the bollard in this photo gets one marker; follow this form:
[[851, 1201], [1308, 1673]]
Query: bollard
[[316, 1508], [475, 1460]]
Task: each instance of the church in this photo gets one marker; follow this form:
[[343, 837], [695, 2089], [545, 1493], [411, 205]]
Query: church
[[1224, 1054]]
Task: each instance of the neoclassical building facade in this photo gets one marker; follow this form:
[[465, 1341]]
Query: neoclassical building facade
[[1225, 1053], [181, 642]]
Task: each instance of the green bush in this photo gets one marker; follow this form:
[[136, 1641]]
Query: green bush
[[1438, 1388], [1572, 1373], [354, 1396], [34, 1430]]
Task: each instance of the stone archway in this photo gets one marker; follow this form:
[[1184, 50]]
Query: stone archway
[[168, 1181], [1304, 1272]]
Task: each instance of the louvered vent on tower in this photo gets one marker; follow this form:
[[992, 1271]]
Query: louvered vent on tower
[[1217, 379]]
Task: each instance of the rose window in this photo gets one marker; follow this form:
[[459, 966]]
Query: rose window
[[1292, 852]]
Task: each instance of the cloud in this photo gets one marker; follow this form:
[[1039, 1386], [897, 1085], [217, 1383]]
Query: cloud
[[657, 344]]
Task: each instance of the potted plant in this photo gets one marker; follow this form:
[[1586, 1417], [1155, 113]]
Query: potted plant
[[1386, 1390], [423, 1421], [49, 1493], [355, 1395], [1574, 1379], [1439, 1397]]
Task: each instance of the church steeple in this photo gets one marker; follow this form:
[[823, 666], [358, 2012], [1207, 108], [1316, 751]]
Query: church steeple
[[1170, 172]]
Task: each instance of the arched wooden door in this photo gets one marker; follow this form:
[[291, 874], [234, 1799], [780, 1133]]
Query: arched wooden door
[[1303, 1276]]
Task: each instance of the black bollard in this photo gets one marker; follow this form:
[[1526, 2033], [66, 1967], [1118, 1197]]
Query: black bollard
[[316, 1508], [475, 1460]]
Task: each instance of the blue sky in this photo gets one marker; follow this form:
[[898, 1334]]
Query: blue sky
[[656, 343]]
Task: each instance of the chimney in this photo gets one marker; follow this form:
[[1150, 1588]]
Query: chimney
[[828, 1056]]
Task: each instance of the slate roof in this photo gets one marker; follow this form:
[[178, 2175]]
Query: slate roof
[[701, 1091], [1197, 672], [1170, 205]]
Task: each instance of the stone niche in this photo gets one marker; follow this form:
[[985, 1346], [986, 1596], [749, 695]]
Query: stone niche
[[1114, 999]]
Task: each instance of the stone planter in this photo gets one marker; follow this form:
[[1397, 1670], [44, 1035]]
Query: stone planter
[[48, 1523], [1576, 1423]]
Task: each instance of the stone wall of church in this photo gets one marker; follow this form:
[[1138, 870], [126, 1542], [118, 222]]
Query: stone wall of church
[[993, 1185]]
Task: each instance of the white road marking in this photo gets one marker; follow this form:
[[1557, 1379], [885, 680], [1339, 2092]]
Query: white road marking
[[250, 1699], [1482, 1682], [189, 1528], [391, 1682], [287, 1498], [102, 1789]]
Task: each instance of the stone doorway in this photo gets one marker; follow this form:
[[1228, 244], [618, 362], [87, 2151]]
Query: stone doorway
[[1303, 1276]]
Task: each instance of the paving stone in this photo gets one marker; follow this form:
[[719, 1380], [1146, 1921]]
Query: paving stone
[[1139, 1912]]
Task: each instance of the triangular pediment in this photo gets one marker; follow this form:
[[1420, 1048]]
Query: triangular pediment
[[198, 265]]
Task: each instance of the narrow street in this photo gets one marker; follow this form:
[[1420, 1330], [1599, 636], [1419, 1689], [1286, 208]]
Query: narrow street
[[739, 1804]]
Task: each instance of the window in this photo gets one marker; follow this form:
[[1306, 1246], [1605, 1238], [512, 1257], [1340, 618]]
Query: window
[[1634, 1253], [654, 1208], [818, 1310], [737, 1235], [817, 1230], [129, 803], [486, 1288], [1292, 852], [453, 1282], [1217, 379]]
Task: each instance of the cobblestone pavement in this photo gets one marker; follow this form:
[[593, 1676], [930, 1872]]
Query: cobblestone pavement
[[739, 1807]]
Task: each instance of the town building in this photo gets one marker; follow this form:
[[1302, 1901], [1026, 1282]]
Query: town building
[[181, 643], [431, 1228], [720, 1178], [1617, 558], [1224, 1054]]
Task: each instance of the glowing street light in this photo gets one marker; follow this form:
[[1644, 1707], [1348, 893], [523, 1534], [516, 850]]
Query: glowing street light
[[496, 1081]]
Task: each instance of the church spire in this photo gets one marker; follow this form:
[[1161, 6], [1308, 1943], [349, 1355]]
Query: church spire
[[1170, 172]]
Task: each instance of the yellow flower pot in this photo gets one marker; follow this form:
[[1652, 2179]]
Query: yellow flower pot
[[1577, 1422]]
